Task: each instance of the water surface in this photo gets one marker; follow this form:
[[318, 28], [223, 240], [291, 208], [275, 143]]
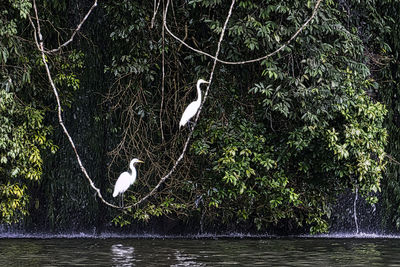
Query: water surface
[[200, 252]]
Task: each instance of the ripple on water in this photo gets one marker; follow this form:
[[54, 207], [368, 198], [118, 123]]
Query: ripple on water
[[299, 251]]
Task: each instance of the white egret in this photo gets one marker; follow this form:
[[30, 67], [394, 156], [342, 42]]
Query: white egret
[[193, 107], [126, 179]]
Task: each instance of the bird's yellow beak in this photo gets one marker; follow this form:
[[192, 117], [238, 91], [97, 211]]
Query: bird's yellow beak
[[139, 161]]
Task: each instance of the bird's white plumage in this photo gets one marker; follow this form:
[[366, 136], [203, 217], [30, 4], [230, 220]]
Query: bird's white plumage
[[193, 107], [189, 112], [126, 179]]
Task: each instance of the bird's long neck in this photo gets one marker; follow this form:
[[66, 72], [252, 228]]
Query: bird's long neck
[[132, 167], [198, 92]]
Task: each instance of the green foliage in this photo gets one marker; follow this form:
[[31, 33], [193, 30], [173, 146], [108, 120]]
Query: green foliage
[[13, 205], [246, 182], [277, 140], [319, 130], [387, 61], [274, 175], [143, 214], [67, 75], [22, 137]]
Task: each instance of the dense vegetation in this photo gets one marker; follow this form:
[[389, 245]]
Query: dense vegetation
[[277, 141]]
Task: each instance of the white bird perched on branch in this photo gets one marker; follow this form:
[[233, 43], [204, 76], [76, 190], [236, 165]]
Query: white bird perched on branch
[[126, 179], [193, 107]]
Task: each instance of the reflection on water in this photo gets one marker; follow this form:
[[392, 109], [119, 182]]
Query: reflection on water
[[122, 256], [200, 252], [184, 259]]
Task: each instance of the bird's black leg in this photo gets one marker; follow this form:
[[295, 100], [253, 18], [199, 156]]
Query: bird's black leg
[[191, 125]]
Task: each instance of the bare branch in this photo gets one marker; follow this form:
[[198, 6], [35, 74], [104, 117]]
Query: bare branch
[[163, 76], [156, 6], [245, 61], [392, 159], [40, 46], [75, 31]]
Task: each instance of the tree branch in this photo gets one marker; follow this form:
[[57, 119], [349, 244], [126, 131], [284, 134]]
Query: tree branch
[[392, 159], [40, 45], [156, 6], [245, 61], [75, 31]]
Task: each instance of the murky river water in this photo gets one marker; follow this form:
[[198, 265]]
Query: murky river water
[[199, 252]]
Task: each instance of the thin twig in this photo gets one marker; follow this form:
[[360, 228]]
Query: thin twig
[[355, 210], [163, 77], [155, 12], [75, 31], [245, 61], [392, 159]]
